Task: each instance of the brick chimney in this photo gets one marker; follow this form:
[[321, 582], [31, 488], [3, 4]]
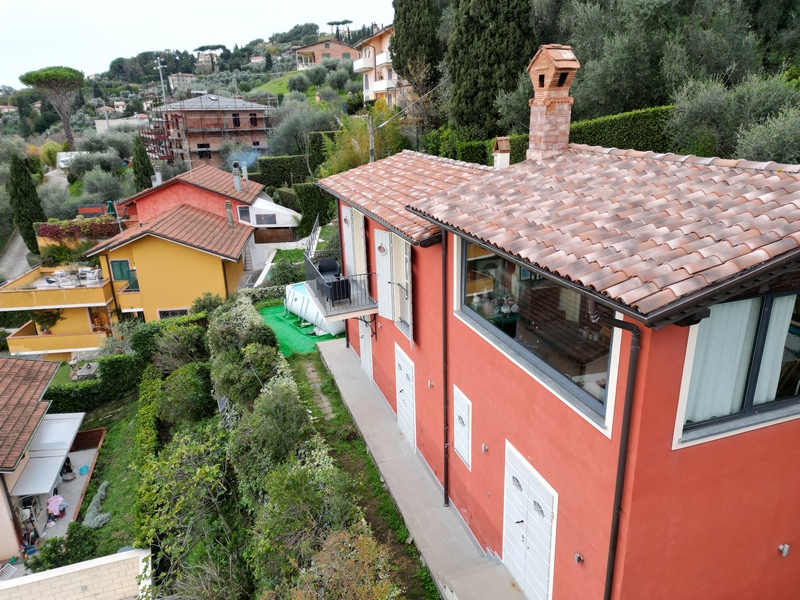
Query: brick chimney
[[552, 71], [502, 152]]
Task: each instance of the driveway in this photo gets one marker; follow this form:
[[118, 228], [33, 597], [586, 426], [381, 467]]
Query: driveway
[[57, 177], [12, 258]]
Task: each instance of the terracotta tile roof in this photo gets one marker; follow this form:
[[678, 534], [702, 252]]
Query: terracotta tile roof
[[640, 228], [384, 188], [22, 384], [211, 179], [190, 226]]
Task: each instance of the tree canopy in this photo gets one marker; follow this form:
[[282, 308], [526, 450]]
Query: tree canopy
[[24, 202], [59, 85], [142, 168]]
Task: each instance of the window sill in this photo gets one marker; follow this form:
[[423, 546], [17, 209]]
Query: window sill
[[551, 382], [714, 431]]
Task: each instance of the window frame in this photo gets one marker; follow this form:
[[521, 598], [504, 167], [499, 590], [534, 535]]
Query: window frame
[[236, 120], [497, 337], [239, 211], [111, 265], [182, 312], [253, 119], [748, 410]]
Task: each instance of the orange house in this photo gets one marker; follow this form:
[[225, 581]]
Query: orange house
[[375, 65], [595, 351], [312, 55]]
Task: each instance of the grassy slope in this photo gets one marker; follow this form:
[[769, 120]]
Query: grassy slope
[[350, 453]]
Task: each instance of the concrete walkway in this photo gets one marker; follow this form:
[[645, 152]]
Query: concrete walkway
[[458, 566]]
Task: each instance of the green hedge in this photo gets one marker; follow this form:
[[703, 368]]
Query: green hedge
[[256, 176], [118, 376], [288, 198], [144, 338], [266, 292], [147, 421], [475, 152], [637, 130], [282, 170], [316, 147], [312, 202]]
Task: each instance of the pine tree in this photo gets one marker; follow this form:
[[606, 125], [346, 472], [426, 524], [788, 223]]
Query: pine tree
[[491, 43], [142, 168], [415, 46], [24, 201]]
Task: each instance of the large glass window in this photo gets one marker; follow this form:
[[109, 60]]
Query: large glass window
[[547, 322], [746, 359]]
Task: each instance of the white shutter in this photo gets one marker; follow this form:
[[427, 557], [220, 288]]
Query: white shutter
[[348, 240], [409, 303], [462, 426], [383, 254], [360, 243]]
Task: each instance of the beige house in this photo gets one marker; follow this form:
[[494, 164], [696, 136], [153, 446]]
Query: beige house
[[375, 65], [312, 55]]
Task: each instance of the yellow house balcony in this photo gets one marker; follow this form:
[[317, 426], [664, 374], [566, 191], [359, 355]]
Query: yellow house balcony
[[383, 85], [384, 59], [364, 64], [128, 297], [50, 288], [25, 341]]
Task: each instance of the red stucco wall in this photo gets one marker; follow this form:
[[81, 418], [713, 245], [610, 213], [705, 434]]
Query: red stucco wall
[[167, 198]]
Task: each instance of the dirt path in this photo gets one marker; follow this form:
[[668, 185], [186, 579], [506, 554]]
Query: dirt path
[[315, 383]]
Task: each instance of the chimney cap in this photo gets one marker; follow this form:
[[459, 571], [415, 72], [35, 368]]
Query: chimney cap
[[502, 145], [560, 56]]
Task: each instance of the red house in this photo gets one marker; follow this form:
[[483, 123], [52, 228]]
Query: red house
[[595, 351]]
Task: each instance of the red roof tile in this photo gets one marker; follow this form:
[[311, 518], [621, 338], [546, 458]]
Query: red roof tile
[[673, 225], [384, 188], [189, 226], [22, 384], [211, 179]]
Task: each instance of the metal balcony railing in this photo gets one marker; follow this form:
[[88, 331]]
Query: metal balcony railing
[[336, 292]]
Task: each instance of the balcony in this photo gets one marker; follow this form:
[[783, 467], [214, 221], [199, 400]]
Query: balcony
[[46, 288], [364, 64], [384, 59], [337, 296], [384, 85], [26, 341]]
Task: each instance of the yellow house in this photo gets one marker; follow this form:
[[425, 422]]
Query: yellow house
[[159, 267], [375, 66]]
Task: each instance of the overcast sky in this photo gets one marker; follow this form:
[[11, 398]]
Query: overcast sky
[[88, 35]]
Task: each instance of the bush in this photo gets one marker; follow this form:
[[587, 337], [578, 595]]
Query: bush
[[282, 170], [638, 130], [206, 303], [3, 342], [329, 96], [777, 139], [82, 163], [337, 79], [287, 198], [317, 75], [96, 228], [353, 87], [144, 337], [475, 152], [285, 272], [150, 395], [298, 83], [239, 377], [313, 202], [78, 545], [94, 519], [316, 147], [179, 345], [59, 254], [118, 376], [107, 185], [187, 394], [260, 294]]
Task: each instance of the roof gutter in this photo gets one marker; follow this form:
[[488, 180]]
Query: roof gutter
[[625, 431]]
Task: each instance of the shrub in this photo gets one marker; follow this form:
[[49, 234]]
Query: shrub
[[298, 83], [280, 170], [82, 163], [206, 303], [474, 152], [317, 75], [777, 139], [78, 545], [96, 228], [239, 377], [316, 147], [3, 342], [287, 198], [638, 130], [329, 95], [336, 79], [285, 272], [118, 376], [144, 337], [353, 87], [313, 202], [147, 421], [259, 294], [187, 394], [179, 345], [94, 519]]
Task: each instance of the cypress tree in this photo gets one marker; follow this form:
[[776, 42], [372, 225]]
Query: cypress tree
[[415, 46], [24, 201], [491, 43], [142, 168]]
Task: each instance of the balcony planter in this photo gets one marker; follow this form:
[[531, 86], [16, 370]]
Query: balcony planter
[[45, 319]]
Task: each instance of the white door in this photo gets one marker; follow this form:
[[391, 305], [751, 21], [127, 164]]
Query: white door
[[383, 272], [404, 384], [348, 240], [528, 526], [365, 343]]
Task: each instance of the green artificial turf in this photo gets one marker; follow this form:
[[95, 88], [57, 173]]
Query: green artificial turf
[[292, 339]]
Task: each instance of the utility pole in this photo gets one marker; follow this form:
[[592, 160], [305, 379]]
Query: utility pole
[[371, 139], [159, 68]]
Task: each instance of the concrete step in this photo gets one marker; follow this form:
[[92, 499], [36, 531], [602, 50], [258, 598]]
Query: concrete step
[[483, 582]]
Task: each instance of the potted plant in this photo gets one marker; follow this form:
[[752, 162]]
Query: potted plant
[[45, 319]]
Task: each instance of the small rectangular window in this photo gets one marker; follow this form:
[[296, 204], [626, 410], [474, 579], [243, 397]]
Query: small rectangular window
[[168, 314], [244, 213], [327, 45], [366, 81], [253, 120], [266, 219], [345, 55], [203, 150], [235, 118], [256, 143]]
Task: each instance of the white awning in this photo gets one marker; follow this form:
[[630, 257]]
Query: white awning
[[47, 451], [39, 476]]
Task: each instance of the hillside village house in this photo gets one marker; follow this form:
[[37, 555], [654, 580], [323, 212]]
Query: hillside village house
[[594, 351], [195, 233], [312, 55], [179, 80], [375, 65]]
